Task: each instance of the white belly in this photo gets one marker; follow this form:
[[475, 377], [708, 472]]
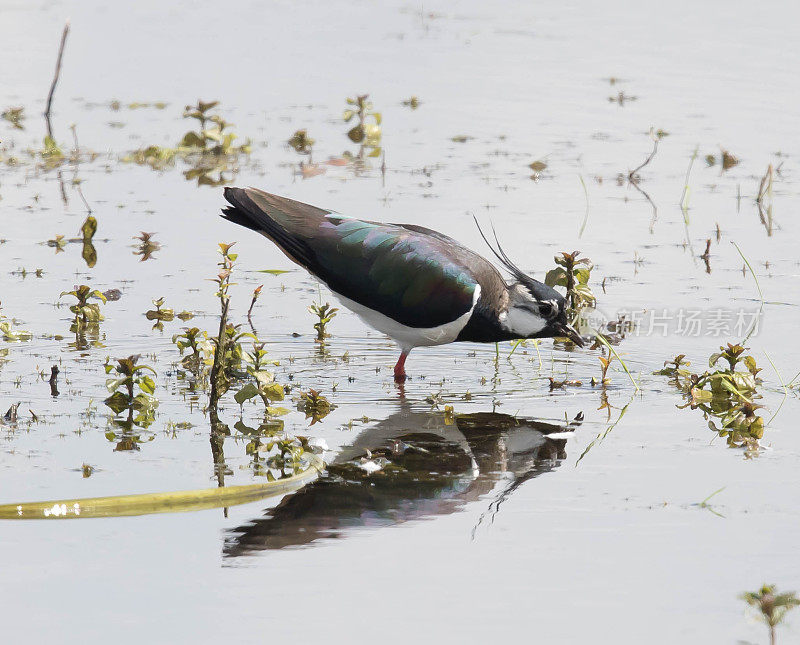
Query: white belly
[[410, 337]]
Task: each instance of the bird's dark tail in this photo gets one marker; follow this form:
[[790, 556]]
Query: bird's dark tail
[[286, 222]]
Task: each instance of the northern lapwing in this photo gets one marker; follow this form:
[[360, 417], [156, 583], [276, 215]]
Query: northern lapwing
[[417, 286]]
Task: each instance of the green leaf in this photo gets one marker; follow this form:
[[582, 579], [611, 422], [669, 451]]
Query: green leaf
[[147, 384], [117, 402], [192, 140], [556, 277], [246, 393], [144, 403], [750, 363], [583, 275], [356, 134], [206, 106], [273, 392]]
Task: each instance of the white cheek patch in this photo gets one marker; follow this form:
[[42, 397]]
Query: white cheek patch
[[523, 322]]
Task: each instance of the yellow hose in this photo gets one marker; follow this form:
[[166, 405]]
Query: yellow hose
[[147, 503]]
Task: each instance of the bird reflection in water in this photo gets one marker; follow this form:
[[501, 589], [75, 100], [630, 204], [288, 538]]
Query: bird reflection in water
[[407, 467]]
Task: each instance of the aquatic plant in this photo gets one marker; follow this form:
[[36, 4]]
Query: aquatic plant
[[129, 377], [160, 314], [264, 384], [256, 294], [189, 339], [604, 365], [10, 334], [367, 130], [88, 231], [314, 405], [301, 142], [85, 312], [218, 380], [15, 116], [210, 135], [726, 395], [771, 605], [325, 313], [147, 245], [573, 274], [209, 150]]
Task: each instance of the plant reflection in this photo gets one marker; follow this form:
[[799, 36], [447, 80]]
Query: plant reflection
[[408, 467]]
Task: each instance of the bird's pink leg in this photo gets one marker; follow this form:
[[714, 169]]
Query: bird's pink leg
[[400, 368]]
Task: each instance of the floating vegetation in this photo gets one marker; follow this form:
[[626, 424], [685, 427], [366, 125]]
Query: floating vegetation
[[15, 116], [555, 384], [88, 231], [147, 246], [190, 339], [367, 130], [301, 142], [573, 274], [727, 160], [10, 334], [325, 313], [85, 312], [726, 396], [772, 606], [160, 314], [209, 150], [130, 377], [314, 405], [537, 167], [622, 98], [264, 384], [59, 242], [412, 103]]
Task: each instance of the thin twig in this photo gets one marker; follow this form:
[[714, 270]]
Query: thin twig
[[652, 204], [633, 172], [55, 80], [765, 187]]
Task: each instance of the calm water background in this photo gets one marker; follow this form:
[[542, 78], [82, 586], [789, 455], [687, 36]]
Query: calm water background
[[613, 548]]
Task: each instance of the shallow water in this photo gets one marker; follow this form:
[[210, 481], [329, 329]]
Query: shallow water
[[491, 531]]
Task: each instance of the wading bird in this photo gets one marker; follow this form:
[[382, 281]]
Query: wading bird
[[417, 286]]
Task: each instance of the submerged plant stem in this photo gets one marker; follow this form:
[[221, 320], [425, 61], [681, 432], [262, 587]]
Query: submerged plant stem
[[621, 362], [216, 367]]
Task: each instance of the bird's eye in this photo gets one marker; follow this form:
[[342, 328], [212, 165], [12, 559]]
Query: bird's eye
[[548, 308]]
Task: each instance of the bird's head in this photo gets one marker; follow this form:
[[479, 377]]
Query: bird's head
[[537, 311], [534, 309]]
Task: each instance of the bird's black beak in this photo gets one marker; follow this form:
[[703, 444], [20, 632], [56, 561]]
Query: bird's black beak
[[568, 331]]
